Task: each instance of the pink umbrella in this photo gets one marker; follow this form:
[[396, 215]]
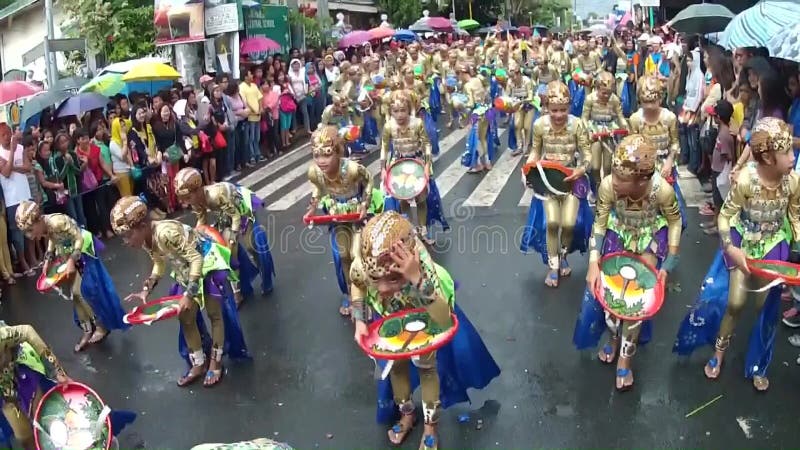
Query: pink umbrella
[[525, 31], [381, 32], [258, 44], [440, 24], [11, 91], [625, 19], [355, 38]]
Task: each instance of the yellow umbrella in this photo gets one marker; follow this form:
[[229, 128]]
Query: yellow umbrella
[[151, 71]]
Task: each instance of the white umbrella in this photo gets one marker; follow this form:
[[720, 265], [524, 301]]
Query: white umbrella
[[786, 45]]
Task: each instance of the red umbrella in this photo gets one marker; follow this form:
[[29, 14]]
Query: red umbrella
[[440, 24], [381, 32], [525, 31], [258, 44], [11, 91], [355, 38]]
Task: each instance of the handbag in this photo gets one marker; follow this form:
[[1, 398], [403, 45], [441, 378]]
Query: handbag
[[88, 180], [219, 140], [174, 153]]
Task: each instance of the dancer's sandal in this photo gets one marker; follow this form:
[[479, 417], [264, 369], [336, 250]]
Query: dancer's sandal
[[565, 270], [84, 342], [623, 375], [552, 279], [213, 376], [760, 383], [399, 432], [344, 308], [100, 334], [191, 376], [712, 368], [608, 354], [429, 442]]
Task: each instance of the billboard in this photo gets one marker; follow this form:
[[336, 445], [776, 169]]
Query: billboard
[[179, 21], [269, 21]]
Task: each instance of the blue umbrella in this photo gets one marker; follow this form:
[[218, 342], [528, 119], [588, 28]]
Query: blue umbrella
[[405, 35], [80, 103], [754, 27]]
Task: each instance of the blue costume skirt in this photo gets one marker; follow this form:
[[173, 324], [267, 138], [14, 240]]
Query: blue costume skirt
[[217, 289], [369, 132], [679, 195], [591, 322], [429, 121], [534, 236], [98, 290], [434, 202], [435, 98], [265, 266], [577, 95], [470, 157], [462, 364], [701, 325], [28, 381], [627, 98]]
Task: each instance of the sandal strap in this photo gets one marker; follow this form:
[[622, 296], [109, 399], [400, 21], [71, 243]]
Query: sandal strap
[[622, 373], [713, 362]]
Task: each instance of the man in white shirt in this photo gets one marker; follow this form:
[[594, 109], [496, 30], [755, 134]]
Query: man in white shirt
[[13, 167]]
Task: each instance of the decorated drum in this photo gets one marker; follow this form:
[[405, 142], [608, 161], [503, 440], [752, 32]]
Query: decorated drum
[[406, 334], [459, 101], [451, 83], [608, 133], [629, 288], [406, 178], [506, 104], [213, 234], [56, 273], [547, 178], [378, 81], [153, 311], [772, 270], [350, 133], [582, 78], [312, 220], [501, 75], [72, 416]]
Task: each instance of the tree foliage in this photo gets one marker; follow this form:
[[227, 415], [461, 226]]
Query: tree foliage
[[316, 30], [120, 29], [402, 13]]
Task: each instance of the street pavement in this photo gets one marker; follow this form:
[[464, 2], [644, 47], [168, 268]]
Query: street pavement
[[309, 385]]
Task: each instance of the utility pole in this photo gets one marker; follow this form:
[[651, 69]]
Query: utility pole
[[49, 57], [324, 16]]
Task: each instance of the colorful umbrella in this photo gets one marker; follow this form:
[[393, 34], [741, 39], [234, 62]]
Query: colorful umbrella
[[11, 91], [108, 84], [405, 35], [258, 44], [755, 26], [151, 71], [79, 104], [125, 66], [439, 24], [381, 32], [355, 38], [468, 24], [701, 18], [786, 45], [40, 102]]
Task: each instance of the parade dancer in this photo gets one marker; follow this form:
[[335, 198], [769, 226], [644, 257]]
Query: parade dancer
[[637, 212], [760, 219], [559, 224], [358, 97], [340, 114], [475, 156], [340, 186], [404, 137], [520, 87], [395, 272], [602, 110], [234, 207], [96, 305], [201, 270], [450, 73], [660, 125]]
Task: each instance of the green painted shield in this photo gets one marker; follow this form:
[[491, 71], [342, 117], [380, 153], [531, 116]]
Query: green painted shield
[[406, 179]]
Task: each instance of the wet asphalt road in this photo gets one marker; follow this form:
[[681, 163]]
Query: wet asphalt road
[[309, 385]]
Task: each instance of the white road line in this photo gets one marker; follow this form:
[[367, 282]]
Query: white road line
[[297, 194], [493, 182], [271, 168], [282, 181], [527, 196], [447, 180]]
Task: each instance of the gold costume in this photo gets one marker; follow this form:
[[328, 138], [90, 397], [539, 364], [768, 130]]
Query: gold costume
[[477, 95], [14, 342], [377, 239], [663, 134], [598, 115], [560, 60], [521, 88], [570, 147]]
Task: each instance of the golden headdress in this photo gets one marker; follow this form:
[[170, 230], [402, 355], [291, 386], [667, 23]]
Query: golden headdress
[[634, 156], [28, 213], [377, 238], [129, 212], [443, 47], [651, 90], [401, 98], [557, 93], [604, 80], [340, 100], [187, 180], [770, 134], [513, 66], [326, 141], [580, 46]]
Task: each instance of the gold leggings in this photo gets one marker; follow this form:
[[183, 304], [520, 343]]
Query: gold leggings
[[422, 208], [6, 267], [483, 146], [21, 423], [191, 333], [82, 309], [429, 384], [737, 297], [628, 329], [561, 213], [601, 162], [246, 240], [523, 120], [348, 241]]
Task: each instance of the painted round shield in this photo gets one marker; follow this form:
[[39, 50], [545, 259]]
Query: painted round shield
[[406, 334], [506, 104], [547, 178], [378, 81], [629, 287], [72, 416], [56, 273], [153, 311], [406, 178], [311, 220], [350, 133], [213, 234], [459, 101], [775, 270]]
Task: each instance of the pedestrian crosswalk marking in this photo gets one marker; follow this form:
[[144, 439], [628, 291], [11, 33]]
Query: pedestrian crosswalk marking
[[527, 196], [493, 182], [447, 180], [275, 166], [297, 194], [282, 181]]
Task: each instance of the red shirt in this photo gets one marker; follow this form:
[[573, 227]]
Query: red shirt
[[93, 158]]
